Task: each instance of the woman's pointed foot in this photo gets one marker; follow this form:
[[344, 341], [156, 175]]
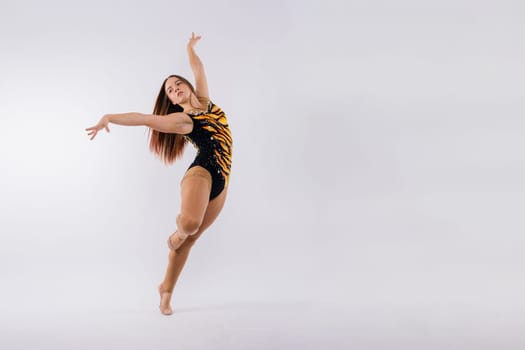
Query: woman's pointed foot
[[165, 299], [176, 240]]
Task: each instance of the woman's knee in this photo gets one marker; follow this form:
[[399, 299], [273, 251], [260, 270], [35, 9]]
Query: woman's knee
[[188, 225]]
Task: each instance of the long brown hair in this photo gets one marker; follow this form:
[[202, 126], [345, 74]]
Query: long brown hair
[[168, 147]]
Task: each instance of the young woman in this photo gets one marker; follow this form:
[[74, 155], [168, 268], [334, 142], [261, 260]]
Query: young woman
[[181, 114]]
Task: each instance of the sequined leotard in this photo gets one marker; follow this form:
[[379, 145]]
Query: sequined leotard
[[212, 137]]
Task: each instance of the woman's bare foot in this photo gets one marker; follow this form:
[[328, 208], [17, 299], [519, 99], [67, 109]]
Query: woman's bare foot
[[165, 299], [176, 240]]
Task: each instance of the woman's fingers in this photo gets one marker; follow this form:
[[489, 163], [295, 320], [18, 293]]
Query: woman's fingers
[[102, 124], [92, 131], [194, 38]]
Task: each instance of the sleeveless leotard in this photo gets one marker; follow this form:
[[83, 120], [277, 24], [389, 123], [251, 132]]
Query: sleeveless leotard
[[212, 137]]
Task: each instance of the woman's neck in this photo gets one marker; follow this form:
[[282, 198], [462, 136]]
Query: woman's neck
[[186, 106]]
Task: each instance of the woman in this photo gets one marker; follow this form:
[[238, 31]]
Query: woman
[[183, 114]]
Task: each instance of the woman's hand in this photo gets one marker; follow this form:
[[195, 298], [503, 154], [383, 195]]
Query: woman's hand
[[193, 40], [102, 124]]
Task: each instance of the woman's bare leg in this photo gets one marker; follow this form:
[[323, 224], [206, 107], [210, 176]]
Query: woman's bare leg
[[178, 258], [188, 219]]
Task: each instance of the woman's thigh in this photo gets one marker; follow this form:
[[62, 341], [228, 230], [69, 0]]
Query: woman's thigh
[[212, 212], [195, 194]]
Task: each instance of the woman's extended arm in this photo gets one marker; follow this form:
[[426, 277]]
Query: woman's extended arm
[[174, 123], [201, 85]]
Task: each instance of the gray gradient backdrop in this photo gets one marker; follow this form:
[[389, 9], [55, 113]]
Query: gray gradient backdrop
[[376, 199]]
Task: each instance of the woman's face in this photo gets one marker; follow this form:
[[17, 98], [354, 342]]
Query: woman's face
[[177, 91]]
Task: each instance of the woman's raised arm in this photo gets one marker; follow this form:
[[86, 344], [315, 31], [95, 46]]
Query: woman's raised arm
[[201, 84]]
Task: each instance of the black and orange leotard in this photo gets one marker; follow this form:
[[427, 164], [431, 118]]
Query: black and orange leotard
[[212, 137]]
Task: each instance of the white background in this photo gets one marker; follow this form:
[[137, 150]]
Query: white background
[[376, 197]]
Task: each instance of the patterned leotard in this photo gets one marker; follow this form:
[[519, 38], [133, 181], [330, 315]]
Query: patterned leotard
[[212, 137]]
